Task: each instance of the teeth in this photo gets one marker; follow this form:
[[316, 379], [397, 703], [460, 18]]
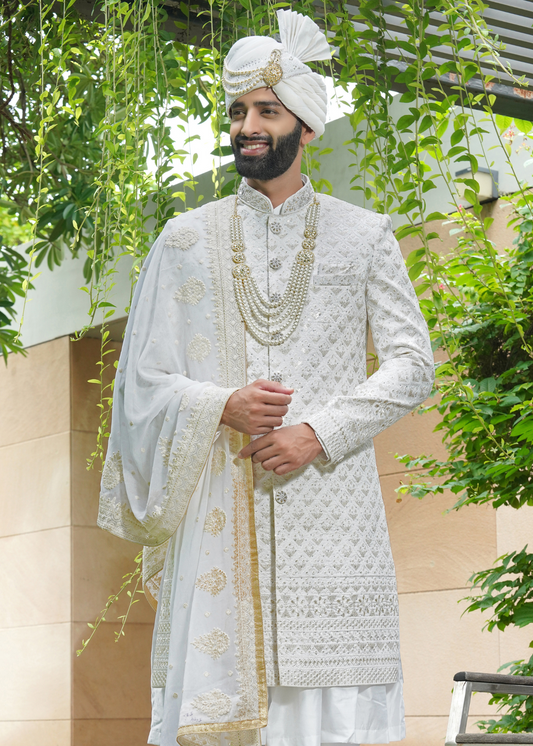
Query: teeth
[[253, 147]]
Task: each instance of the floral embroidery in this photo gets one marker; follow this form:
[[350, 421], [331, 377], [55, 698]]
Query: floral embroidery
[[162, 637], [246, 642], [203, 739], [232, 372], [218, 463], [213, 581], [165, 446], [182, 239], [112, 474], [229, 325], [215, 521], [198, 348], [192, 450], [191, 292], [259, 202], [215, 703], [184, 402], [214, 643]]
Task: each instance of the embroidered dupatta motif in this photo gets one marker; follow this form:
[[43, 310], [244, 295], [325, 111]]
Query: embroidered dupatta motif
[[173, 483]]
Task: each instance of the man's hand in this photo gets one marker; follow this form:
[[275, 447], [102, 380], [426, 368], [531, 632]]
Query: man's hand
[[257, 408], [284, 450]]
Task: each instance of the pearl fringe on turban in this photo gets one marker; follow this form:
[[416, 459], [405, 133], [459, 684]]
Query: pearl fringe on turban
[[259, 62]]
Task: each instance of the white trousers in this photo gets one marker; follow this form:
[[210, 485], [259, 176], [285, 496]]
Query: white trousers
[[334, 715]]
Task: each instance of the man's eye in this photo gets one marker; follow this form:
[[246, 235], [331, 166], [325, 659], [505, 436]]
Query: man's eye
[[236, 114]]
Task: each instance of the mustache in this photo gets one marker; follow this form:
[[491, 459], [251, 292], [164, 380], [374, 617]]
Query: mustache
[[241, 139]]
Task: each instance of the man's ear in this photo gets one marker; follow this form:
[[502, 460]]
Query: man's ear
[[307, 135]]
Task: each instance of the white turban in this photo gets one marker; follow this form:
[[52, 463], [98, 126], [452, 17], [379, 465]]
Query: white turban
[[259, 62]]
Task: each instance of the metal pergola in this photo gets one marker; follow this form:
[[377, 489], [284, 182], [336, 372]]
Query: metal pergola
[[510, 22]]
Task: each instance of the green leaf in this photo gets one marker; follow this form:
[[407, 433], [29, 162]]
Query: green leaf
[[416, 270], [457, 136], [502, 122], [523, 615], [523, 126], [405, 121], [435, 216]]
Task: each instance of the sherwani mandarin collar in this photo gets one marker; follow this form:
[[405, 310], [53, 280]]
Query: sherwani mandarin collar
[[257, 201]]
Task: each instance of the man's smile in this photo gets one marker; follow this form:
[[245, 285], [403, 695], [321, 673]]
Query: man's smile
[[253, 148]]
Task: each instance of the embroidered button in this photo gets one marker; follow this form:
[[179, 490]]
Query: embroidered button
[[275, 297], [276, 377], [275, 227], [281, 497], [275, 263], [175, 695]]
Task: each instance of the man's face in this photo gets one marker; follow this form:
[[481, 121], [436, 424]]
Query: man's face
[[265, 136]]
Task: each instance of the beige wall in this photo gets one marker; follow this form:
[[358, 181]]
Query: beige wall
[[61, 569]]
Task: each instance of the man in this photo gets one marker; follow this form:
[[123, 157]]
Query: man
[[250, 319]]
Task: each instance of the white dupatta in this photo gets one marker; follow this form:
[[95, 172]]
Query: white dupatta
[[165, 478]]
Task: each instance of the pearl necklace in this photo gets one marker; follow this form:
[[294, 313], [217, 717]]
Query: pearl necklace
[[271, 322]]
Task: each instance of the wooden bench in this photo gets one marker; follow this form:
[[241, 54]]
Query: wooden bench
[[467, 682]]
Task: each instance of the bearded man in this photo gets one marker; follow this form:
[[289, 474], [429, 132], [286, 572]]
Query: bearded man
[[277, 609]]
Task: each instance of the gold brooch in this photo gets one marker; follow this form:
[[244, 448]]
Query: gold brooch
[[273, 72]]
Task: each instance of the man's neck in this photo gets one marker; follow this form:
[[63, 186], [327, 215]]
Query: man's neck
[[280, 189]]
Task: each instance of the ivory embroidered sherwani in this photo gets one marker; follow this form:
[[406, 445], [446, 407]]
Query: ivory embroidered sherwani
[[269, 580]]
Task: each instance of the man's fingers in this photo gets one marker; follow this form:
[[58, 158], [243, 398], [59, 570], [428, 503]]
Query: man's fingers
[[277, 464], [272, 421], [274, 386], [275, 399], [276, 411], [253, 446], [265, 453]]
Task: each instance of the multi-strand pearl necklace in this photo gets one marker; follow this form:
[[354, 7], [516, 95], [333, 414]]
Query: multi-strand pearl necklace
[[271, 322]]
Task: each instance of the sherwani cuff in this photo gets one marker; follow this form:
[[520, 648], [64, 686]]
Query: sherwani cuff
[[330, 435]]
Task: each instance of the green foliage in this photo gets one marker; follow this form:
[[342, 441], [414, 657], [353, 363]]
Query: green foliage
[[507, 590], [13, 283], [486, 325], [12, 231], [518, 717], [130, 585]]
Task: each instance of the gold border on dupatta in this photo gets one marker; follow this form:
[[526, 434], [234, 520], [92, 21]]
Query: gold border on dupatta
[[232, 367]]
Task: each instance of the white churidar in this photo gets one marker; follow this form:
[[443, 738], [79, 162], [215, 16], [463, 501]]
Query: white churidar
[[259, 61]]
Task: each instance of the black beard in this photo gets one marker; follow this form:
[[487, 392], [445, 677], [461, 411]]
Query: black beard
[[275, 162]]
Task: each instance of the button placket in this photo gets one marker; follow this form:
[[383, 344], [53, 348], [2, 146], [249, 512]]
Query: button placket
[[274, 226]]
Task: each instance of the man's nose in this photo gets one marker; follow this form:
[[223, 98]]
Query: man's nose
[[251, 124]]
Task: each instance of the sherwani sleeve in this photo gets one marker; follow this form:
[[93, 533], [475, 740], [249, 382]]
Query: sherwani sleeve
[[401, 340]]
